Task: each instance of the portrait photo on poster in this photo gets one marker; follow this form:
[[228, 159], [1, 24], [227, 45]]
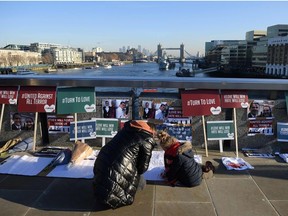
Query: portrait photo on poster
[[260, 117], [108, 108], [148, 110], [122, 108], [161, 112], [22, 121], [260, 109]]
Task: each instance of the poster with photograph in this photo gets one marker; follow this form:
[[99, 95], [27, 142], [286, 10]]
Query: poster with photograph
[[147, 110], [260, 117], [122, 108], [155, 109], [161, 111], [115, 108], [260, 108], [22, 121], [108, 108]]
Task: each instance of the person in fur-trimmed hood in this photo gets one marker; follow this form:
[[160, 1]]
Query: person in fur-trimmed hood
[[180, 165]]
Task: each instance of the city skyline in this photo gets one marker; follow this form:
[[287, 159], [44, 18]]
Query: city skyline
[[112, 25]]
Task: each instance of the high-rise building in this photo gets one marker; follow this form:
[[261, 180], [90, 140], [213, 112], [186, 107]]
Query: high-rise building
[[277, 56]]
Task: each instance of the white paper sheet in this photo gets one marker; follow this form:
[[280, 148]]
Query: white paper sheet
[[31, 165], [24, 165], [84, 169]]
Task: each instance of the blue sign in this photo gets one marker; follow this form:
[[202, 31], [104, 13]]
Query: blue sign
[[85, 130], [182, 132], [282, 132]]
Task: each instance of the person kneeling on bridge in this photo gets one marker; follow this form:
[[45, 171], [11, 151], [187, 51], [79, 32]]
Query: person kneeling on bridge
[[181, 169], [121, 162]]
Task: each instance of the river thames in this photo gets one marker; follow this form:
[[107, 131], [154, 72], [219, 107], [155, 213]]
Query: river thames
[[150, 69]]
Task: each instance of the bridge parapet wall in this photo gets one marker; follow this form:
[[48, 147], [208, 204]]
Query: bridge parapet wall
[[257, 90]]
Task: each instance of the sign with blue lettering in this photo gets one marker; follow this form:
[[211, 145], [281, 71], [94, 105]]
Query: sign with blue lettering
[[282, 132], [85, 129], [220, 130]]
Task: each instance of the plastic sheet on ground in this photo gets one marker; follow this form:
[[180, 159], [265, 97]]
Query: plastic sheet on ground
[[235, 163]]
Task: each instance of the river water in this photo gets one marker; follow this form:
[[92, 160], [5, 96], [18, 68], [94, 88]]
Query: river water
[[150, 69], [140, 69]]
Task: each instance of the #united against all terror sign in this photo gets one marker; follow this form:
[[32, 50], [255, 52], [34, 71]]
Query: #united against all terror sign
[[37, 99]]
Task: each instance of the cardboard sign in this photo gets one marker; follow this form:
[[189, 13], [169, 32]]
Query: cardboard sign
[[106, 127], [75, 100], [200, 102], [8, 95], [220, 130], [282, 132], [85, 130], [234, 99], [37, 99]]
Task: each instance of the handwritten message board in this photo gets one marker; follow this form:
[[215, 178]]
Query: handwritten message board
[[220, 130], [37, 99], [200, 102], [106, 127], [85, 130], [75, 100], [8, 95], [234, 99]]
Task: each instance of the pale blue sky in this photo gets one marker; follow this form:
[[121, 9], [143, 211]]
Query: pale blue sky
[[111, 25]]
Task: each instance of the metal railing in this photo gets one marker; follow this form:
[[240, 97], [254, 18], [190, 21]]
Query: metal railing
[[145, 82]]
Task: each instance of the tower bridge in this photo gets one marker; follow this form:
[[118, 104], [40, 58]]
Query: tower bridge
[[166, 62], [181, 59]]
